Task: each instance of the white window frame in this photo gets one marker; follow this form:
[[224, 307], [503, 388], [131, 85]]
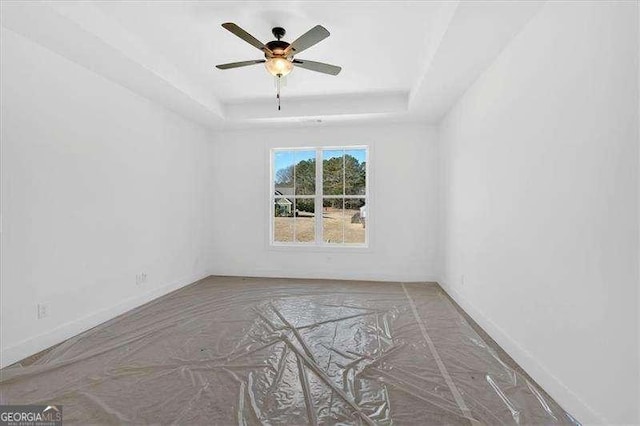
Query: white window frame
[[318, 199]]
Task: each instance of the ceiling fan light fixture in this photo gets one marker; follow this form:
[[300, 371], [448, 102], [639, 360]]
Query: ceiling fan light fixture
[[279, 55], [278, 67]]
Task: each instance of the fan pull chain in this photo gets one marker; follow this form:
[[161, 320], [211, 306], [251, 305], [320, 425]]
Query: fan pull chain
[[278, 91]]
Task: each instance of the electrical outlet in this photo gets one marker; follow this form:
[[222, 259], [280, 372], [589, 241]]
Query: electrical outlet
[[141, 278], [43, 310]]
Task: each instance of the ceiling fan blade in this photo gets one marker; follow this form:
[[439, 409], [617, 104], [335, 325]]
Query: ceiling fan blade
[[239, 64], [230, 26], [313, 36], [317, 66]]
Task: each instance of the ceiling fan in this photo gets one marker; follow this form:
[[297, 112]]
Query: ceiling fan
[[279, 55]]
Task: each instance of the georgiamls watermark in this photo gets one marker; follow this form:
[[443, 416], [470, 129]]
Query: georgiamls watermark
[[30, 415]]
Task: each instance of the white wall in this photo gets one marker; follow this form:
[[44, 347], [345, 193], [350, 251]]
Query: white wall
[[540, 179], [401, 220], [98, 184]]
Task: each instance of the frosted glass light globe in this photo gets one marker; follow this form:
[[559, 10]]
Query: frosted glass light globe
[[278, 67]]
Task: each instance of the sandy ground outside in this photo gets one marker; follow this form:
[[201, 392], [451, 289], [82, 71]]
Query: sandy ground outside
[[333, 221]]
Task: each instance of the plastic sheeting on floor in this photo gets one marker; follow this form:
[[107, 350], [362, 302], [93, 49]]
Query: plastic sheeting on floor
[[251, 351]]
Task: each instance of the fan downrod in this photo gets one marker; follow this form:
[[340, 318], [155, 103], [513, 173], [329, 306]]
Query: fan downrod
[[278, 32]]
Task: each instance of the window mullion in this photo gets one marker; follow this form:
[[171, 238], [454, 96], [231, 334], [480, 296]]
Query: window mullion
[[295, 218], [318, 197], [344, 190]]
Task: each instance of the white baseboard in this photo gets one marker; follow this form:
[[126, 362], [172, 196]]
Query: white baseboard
[[67, 330], [550, 383], [325, 275]]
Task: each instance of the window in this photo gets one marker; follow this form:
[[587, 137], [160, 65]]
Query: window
[[319, 196]]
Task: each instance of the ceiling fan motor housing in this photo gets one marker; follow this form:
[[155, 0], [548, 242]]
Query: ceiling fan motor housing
[[277, 47]]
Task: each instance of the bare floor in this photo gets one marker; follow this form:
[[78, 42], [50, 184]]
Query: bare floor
[[275, 351]]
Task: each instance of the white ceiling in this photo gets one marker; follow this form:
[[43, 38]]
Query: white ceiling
[[380, 47], [401, 60]]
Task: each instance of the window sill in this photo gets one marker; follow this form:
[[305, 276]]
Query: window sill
[[320, 248]]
